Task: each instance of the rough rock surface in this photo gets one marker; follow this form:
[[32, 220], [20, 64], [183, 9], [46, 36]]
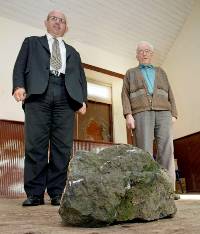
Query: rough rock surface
[[120, 183]]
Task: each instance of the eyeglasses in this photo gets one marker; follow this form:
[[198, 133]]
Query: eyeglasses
[[144, 51], [55, 18]]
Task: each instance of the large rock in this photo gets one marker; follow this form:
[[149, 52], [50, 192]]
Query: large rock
[[119, 183]]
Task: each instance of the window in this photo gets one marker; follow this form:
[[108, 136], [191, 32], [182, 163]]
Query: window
[[96, 124]]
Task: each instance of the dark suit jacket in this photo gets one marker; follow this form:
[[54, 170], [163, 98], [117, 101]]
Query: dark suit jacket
[[32, 67]]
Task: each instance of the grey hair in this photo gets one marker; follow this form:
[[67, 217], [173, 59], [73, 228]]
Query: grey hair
[[146, 43]]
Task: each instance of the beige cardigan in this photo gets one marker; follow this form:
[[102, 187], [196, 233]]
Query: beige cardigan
[[135, 97]]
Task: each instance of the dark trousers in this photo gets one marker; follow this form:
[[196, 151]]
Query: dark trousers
[[49, 123]]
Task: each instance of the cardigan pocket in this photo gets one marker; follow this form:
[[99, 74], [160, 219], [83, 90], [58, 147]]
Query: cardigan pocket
[[137, 93], [162, 93], [139, 100]]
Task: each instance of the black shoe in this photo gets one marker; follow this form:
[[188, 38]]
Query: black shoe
[[176, 196], [55, 201], [33, 201]]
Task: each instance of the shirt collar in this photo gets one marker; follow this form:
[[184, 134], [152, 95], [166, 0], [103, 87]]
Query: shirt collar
[[50, 37], [146, 66]]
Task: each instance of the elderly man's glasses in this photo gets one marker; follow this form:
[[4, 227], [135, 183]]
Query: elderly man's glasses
[[145, 51], [55, 18]]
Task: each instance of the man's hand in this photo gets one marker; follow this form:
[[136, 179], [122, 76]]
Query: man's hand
[[19, 94], [130, 122], [82, 110]]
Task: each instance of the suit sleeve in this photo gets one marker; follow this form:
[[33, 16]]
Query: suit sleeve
[[83, 82], [20, 66]]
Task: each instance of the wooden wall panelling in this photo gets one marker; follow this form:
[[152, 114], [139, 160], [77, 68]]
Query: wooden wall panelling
[[12, 156], [187, 152]]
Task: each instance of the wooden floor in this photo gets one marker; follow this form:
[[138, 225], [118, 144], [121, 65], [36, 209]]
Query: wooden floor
[[15, 219]]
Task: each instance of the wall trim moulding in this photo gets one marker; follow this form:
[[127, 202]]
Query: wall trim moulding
[[102, 70]]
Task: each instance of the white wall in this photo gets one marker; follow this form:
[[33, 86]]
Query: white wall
[[103, 59], [12, 36], [183, 68]]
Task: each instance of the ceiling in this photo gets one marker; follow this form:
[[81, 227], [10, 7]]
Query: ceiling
[[112, 25]]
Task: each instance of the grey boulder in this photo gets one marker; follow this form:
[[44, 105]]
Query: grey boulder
[[120, 183]]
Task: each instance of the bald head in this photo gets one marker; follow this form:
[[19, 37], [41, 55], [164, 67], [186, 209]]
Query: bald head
[[56, 23], [57, 12]]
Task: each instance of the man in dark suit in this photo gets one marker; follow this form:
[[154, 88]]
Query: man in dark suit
[[49, 79]]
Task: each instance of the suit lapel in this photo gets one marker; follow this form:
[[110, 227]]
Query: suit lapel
[[68, 54], [44, 43], [68, 51]]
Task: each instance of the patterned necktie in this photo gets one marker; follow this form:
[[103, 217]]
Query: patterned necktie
[[55, 60]]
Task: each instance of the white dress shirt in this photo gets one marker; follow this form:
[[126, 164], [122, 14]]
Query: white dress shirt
[[62, 51]]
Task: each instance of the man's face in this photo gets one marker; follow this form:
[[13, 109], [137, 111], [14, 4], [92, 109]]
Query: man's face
[[144, 54], [56, 24]]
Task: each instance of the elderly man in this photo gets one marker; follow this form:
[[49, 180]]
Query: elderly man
[[49, 79], [149, 107]]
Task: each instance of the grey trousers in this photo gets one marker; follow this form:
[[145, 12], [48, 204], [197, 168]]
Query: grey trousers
[[156, 125]]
